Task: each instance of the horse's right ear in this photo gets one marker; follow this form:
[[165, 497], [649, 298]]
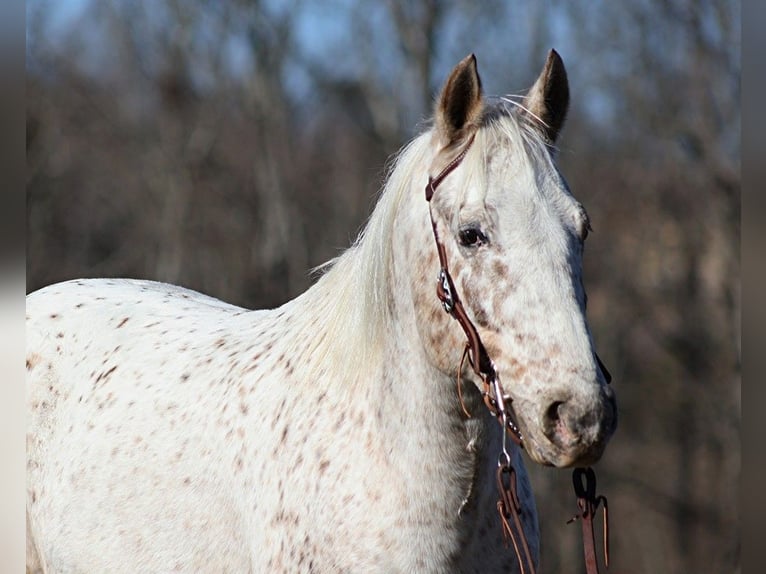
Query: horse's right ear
[[459, 106]]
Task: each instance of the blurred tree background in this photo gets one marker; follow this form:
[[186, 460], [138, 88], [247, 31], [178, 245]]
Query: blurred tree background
[[231, 146]]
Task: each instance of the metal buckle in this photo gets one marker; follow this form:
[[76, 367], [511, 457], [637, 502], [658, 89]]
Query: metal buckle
[[445, 292]]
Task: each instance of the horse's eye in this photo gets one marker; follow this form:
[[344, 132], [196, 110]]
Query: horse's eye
[[471, 237]]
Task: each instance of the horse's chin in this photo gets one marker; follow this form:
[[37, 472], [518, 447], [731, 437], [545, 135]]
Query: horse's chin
[[548, 454]]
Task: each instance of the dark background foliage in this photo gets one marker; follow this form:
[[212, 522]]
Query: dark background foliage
[[231, 146]]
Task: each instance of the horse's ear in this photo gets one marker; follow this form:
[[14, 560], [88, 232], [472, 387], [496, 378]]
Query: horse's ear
[[548, 99], [459, 107]]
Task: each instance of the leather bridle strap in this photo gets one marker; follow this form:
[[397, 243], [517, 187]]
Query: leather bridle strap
[[494, 396], [434, 182], [508, 505], [584, 480]]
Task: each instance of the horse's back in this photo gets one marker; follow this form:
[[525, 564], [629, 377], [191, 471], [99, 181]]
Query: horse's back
[[123, 471]]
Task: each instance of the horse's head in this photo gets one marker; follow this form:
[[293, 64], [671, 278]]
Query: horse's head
[[514, 235]]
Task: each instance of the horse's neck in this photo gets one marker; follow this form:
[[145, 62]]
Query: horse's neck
[[427, 435], [388, 372], [419, 408], [447, 461]]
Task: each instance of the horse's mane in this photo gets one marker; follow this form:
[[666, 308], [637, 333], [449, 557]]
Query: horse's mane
[[353, 293]]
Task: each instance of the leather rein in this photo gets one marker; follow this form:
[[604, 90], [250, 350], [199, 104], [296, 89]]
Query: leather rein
[[498, 403]]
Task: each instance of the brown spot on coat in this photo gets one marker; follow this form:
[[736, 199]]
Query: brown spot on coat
[[32, 361], [500, 269]]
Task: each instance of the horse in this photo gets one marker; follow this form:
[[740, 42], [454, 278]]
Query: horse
[[169, 431]]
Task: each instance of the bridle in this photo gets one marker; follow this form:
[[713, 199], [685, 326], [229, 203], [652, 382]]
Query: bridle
[[498, 404], [494, 396]]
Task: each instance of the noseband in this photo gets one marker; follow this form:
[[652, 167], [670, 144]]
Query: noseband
[[498, 403]]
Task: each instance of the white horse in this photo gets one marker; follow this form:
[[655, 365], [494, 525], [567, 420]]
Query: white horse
[[171, 432]]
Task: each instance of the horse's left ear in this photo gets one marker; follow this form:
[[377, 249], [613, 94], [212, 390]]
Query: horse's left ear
[[548, 99], [459, 107]]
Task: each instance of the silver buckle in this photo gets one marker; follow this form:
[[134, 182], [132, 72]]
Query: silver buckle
[[448, 301]]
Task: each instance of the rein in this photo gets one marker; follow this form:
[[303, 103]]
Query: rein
[[498, 403]]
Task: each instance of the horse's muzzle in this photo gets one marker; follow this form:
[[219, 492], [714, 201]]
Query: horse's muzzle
[[577, 429]]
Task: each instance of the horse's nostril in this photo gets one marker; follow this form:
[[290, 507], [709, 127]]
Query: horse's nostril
[[553, 414], [556, 424]]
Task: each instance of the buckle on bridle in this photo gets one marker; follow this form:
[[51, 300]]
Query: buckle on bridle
[[444, 291]]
